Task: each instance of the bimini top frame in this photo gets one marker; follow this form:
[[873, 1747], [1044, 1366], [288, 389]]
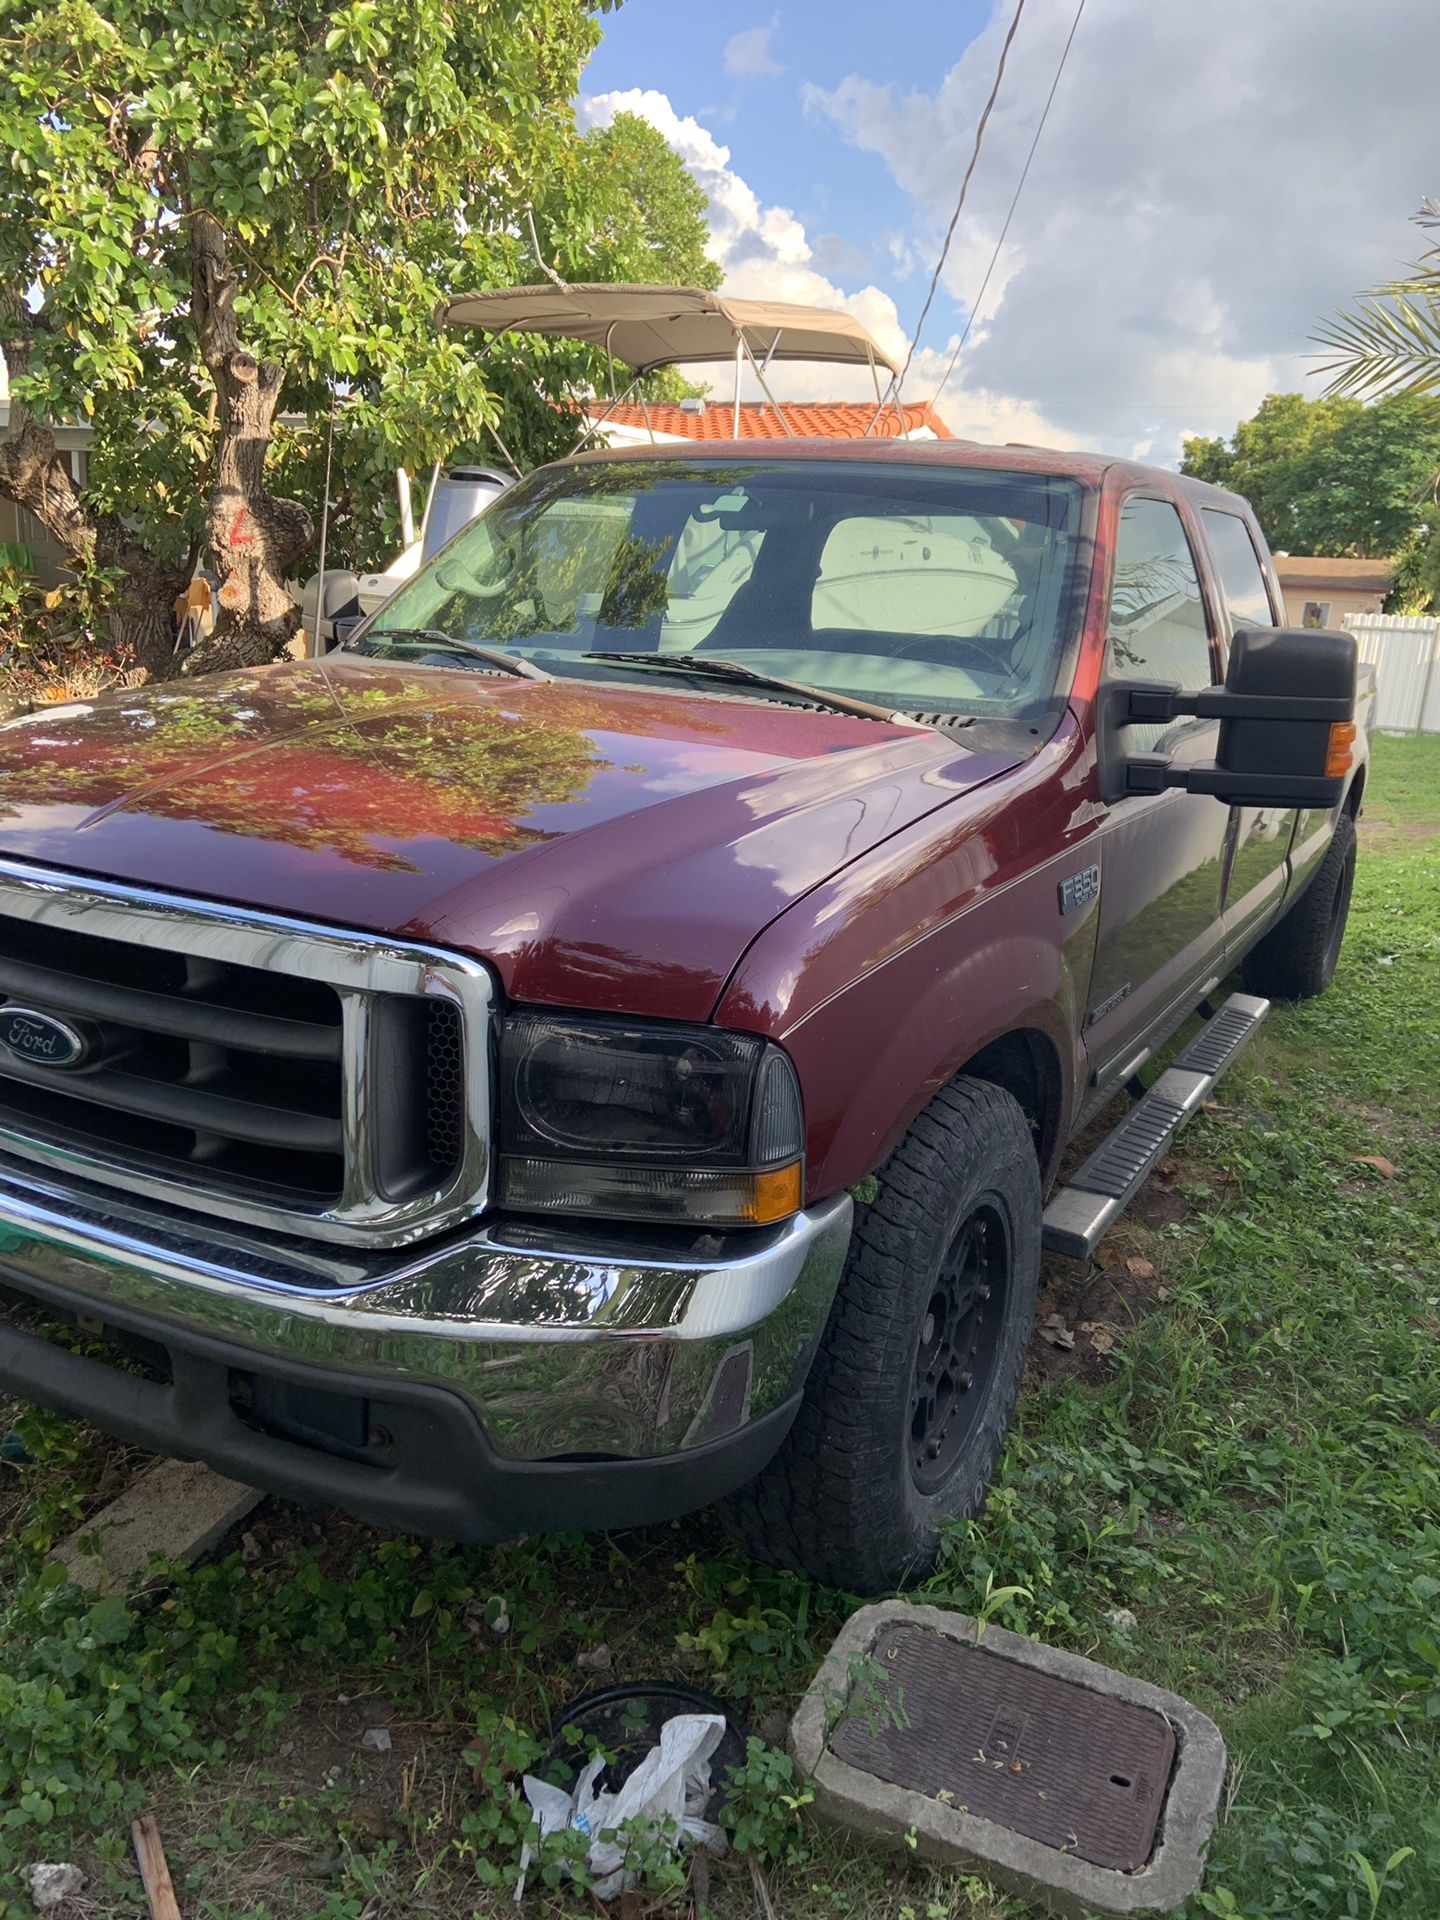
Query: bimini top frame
[[645, 328]]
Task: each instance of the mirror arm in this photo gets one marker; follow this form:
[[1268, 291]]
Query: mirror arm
[[1154, 773], [1162, 703]]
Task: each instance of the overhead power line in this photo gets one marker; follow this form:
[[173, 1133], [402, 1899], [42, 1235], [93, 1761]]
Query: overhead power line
[[960, 201], [979, 299]]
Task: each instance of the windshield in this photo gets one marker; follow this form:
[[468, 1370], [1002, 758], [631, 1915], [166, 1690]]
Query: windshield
[[921, 589]]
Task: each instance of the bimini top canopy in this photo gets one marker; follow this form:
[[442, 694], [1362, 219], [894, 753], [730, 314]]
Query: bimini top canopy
[[648, 327]]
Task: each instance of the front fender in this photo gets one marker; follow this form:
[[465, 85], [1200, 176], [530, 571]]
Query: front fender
[[883, 983]]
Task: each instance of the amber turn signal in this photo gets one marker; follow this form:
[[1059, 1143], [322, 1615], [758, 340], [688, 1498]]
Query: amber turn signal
[[776, 1194], [1340, 755]]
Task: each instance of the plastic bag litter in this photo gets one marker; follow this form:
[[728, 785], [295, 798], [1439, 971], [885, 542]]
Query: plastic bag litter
[[672, 1783]]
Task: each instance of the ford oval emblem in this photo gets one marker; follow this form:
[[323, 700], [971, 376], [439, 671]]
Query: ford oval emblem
[[40, 1038]]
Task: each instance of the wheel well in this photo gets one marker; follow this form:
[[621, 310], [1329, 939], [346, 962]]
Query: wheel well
[[1353, 798], [1025, 1064]]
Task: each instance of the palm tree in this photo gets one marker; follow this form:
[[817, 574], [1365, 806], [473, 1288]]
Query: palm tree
[[1391, 344]]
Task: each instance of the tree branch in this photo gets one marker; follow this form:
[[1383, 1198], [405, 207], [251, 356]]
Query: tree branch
[[33, 472]]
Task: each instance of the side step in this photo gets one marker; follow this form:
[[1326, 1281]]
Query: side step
[[1080, 1214]]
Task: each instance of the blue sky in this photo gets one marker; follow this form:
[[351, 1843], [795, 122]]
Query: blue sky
[[1216, 176], [790, 156]]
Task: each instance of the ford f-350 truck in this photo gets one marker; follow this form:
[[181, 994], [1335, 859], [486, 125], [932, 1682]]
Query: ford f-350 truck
[[603, 1041]]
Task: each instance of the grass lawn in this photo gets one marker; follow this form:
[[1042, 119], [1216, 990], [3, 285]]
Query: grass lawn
[[1242, 1449]]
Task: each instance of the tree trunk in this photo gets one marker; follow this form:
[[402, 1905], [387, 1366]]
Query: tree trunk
[[255, 538], [141, 620], [36, 476]]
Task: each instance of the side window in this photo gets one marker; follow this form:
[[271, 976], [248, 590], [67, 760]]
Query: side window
[[1241, 574], [1157, 626]]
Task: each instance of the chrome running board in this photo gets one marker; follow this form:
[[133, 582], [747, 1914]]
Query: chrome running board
[[1082, 1212]]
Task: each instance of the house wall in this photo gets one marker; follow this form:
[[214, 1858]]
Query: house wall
[[1344, 601]]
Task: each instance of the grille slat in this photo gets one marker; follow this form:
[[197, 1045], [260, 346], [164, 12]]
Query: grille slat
[[271, 1125], [196, 1019]]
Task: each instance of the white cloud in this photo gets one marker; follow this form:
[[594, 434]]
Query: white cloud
[[1211, 182], [764, 253], [902, 255], [748, 53]]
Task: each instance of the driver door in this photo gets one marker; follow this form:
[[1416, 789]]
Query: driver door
[[1162, 856]]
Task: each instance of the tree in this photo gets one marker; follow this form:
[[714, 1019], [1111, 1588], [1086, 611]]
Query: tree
[[641, 178], [1260, 459], [1390, 348], [1329, 476], [206, 209], [1391, 343]]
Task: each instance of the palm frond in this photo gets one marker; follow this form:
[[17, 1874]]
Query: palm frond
[[1389, 347], [1421, 283]]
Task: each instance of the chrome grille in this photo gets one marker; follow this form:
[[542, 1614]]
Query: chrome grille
[[263, 1068]]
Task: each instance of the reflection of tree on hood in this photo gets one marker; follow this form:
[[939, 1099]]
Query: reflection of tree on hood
[[372, 764]]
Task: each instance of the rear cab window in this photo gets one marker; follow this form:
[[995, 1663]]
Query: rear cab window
[[1242, 578]]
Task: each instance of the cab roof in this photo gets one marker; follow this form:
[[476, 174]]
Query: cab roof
[[1089, 469]]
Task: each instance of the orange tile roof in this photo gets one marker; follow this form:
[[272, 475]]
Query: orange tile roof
[[822, 420]]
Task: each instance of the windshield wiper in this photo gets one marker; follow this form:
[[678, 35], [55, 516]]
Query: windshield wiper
[[715, 668], [493, 656]]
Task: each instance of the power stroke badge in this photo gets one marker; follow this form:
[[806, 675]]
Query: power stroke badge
[[1080, 889]]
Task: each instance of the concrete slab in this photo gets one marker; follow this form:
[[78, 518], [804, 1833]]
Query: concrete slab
[[860, 1802], [177, 1508]]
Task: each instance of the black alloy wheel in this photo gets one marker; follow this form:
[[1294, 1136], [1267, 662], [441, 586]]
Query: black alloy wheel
[[959, 1344]]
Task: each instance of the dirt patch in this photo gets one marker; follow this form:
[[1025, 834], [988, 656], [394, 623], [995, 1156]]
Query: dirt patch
[[410, 1801], [1160, 1203], [1389, 836], [1086, 1311]]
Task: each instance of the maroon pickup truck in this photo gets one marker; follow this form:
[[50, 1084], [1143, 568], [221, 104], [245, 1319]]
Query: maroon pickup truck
[[603, 1041]]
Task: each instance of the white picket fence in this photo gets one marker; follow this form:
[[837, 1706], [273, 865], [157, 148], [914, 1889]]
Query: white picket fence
[[1404, 649]]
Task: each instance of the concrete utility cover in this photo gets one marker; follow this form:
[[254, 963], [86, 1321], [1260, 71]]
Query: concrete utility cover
[[1067, 1766], [1046, 1770]]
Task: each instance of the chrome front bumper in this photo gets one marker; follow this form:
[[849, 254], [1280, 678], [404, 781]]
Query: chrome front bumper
[[557, 1348]]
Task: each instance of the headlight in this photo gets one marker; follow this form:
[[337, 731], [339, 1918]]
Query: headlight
[[647, 1122]]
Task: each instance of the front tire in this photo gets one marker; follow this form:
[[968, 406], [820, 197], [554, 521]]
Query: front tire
[[912, 1388], [1297, 958]]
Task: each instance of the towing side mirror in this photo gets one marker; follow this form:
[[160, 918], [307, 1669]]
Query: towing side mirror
[[1287, 723]]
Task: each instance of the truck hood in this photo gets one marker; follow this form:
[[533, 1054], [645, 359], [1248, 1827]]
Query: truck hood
[[607, 846]]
